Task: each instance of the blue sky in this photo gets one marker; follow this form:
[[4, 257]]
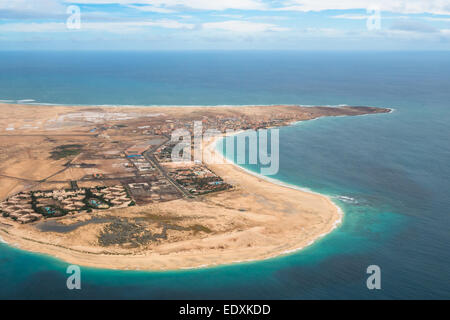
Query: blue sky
[[226, 25]]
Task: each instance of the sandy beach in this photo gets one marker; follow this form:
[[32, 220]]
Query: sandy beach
[[281, 220], [259, 218]]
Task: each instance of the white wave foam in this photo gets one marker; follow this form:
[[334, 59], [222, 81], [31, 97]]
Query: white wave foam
[[346, 199], [34, 102], [44, 104]]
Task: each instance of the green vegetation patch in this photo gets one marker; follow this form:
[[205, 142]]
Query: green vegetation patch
[[123, 232], [199, 228], [65, 151]]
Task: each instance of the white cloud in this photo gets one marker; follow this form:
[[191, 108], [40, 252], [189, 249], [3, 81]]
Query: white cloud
[[351, 16], [218, 5], [113, 27], [323, 32], [33, 27], [151, 9], [409, 25], [54, 6], [242, 26], [437, 19], [30, 4], [397, 6], [166, 6]]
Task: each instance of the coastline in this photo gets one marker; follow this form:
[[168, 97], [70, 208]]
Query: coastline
[[261, 218], [34, 103], [212, 149], [145, 261]]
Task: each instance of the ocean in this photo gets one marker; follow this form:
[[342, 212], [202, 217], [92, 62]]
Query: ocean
[[389, 173]]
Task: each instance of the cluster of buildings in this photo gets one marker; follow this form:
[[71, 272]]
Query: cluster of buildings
[[32, 206], [149, 185], [223, 123], [164, 129], [198, 179], [159, 129], [57, 200], [164, 153], [149, 181], [149, 191], [116, 195], [18, 207], [141, 164]]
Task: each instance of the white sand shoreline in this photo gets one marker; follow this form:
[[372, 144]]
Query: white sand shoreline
[[212, 148], [261, 218], [3, 241], [32, 102]]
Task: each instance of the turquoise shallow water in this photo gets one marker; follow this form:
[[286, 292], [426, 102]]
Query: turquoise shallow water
[[389, 172]]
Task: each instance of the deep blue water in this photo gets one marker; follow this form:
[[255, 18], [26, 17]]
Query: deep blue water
[[394, 168]]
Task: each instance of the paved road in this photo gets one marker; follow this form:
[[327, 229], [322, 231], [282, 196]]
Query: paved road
[[150, 158], [148, 155]]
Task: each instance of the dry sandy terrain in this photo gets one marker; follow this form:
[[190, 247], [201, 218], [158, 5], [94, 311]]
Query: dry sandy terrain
[[255, 220], [258, 220]]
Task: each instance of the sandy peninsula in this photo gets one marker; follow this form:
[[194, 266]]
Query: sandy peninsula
[[254, 219]]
